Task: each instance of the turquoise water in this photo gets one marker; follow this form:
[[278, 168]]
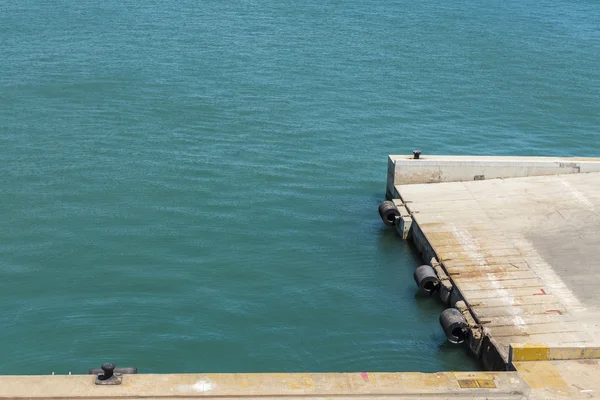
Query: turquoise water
[[192, 186]]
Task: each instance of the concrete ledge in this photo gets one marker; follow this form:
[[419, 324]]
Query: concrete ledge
[[434, 169], [290, 386], [493, 355], [561, 379], [403, 223], [545, 352]]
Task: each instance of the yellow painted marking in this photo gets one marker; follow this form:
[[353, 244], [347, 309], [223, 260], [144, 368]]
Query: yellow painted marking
[[242, 381], [373, 379], [468, 383], [431, 380], [530, 352], [543, 352], [487, 383], [541, 375], [301, 383]]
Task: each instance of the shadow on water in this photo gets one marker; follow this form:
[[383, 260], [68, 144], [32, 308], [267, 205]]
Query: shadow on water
[[389, 241], [429, 309], [450, 353], [404, 258], [427, 305]]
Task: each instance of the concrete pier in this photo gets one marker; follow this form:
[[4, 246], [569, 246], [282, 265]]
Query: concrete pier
[[516, 253], [360, 385], [512, 241], [540, 374]]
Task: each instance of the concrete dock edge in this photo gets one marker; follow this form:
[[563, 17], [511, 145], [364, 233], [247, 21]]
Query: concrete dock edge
[[403, 169], [499, 260]]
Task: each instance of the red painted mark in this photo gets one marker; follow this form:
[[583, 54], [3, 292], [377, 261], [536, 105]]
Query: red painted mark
[[365, 376], [556, 311], [540, 294]]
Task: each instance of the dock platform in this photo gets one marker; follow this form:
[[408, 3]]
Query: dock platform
[[539, 375], [517, 253], [290, 386]]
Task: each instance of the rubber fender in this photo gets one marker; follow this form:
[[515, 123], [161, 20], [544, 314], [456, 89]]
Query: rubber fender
[[388, 212], [454, 325], [426, 279]]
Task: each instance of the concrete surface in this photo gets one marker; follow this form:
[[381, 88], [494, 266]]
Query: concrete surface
[[404, 169], [536, 380], [446, 385], [564, 379], [520, 252]]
